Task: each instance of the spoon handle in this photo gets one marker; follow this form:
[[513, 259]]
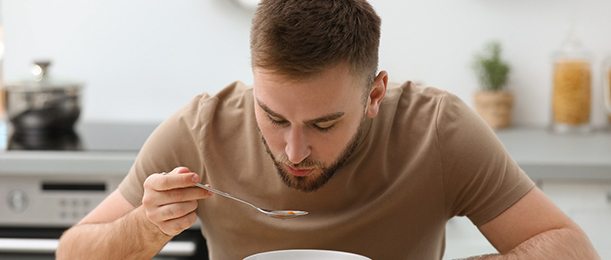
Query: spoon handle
[[213, 190], [224, 194]]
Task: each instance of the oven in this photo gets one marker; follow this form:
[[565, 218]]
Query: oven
[[48, 185]]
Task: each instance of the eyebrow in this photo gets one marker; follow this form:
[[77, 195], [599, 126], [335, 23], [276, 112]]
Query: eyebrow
[[325, 118]]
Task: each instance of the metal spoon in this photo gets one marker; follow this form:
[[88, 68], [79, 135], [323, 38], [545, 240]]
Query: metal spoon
[[282, 214]]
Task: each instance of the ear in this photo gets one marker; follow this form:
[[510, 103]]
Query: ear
[[376, 94]]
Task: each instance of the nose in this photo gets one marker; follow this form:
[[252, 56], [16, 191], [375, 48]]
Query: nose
[[297, 147]]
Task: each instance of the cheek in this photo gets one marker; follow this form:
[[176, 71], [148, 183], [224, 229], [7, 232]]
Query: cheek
[[328, 147], [272, 135]]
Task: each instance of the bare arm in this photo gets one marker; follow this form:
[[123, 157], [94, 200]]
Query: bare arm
[[534, 228], [131, 236], [117, 230]]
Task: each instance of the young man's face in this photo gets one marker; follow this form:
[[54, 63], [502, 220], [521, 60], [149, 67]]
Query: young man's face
[[311, 126]]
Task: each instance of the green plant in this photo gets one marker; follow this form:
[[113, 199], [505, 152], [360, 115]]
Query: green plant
[[491, 70]]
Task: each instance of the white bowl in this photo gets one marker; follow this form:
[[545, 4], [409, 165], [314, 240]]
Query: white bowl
[[306, 254]]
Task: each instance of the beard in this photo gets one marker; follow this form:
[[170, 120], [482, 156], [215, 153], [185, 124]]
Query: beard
[[314, 180]]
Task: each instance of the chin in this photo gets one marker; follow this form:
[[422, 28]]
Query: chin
[[309, 183]]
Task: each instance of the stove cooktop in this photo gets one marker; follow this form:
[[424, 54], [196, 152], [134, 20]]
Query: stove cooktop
[[86, 136]]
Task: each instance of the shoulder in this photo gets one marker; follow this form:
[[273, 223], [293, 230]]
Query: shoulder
[[415, 105], [415, 97], [438, 104], [427, 115], [204, 108], [409, 88], [232, 94], [195, 120]]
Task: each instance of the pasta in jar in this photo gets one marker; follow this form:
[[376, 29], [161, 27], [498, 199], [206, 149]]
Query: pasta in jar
[[571, 97]]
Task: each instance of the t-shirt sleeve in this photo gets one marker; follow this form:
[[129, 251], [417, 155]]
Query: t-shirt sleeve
[[173, 143], [481, 180]]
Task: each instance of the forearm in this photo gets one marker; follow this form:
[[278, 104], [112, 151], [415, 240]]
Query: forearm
[[129, 237], [565, 243]]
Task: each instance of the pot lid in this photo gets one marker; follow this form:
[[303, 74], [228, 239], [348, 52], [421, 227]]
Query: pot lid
[[41, 80]]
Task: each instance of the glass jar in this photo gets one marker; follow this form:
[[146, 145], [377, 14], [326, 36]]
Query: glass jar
[[572, 88]]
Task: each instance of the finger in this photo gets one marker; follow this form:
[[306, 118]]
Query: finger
[[180, 169], [175, 210], [179, 195], [173, 227], [177, 170], [160, 214], [158, 198], [162, 182]]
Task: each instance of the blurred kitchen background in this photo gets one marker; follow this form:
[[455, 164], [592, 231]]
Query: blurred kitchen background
[[141, 60]]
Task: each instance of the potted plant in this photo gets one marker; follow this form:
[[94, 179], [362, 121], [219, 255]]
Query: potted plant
[[492, 102]]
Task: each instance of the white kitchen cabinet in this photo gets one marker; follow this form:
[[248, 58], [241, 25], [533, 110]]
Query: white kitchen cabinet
[[463, 239], [588, 203]]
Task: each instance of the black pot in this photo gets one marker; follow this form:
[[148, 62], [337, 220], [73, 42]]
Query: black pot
[[67, 140], [43, 105]]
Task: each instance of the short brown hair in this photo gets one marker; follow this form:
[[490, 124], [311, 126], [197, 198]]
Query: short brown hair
[[299, 38]]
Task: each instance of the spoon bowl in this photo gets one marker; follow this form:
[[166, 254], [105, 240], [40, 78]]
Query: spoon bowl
[[280, 214]]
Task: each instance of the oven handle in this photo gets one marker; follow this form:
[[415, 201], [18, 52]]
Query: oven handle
[[48, 246]]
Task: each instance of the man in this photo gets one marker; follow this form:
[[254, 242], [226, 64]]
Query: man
[[380, 170]]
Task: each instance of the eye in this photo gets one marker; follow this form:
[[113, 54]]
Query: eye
[[277, 121], [325, 126]]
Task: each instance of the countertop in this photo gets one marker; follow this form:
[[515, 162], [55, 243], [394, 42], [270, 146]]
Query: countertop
[[545, 155], [542, 155], [116, 147]]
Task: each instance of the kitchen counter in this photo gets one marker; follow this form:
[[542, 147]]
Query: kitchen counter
[[543, 155], [65, 163], [95, 148], [546, 155]]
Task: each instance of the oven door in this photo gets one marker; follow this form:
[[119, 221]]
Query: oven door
[[41, 243]]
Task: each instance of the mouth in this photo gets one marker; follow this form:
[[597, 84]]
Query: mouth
[[299, 172]]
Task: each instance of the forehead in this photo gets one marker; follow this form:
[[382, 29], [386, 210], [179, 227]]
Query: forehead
[[333, 90]]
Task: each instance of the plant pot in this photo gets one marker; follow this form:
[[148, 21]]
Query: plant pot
[[495, 107]]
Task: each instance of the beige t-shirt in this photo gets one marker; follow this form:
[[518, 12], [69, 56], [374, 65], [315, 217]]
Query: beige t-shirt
[[426, 158]]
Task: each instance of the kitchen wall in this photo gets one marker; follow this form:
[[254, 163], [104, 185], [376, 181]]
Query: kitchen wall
[[142, 59]]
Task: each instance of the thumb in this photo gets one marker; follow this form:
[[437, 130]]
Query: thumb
[[181, 169]]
